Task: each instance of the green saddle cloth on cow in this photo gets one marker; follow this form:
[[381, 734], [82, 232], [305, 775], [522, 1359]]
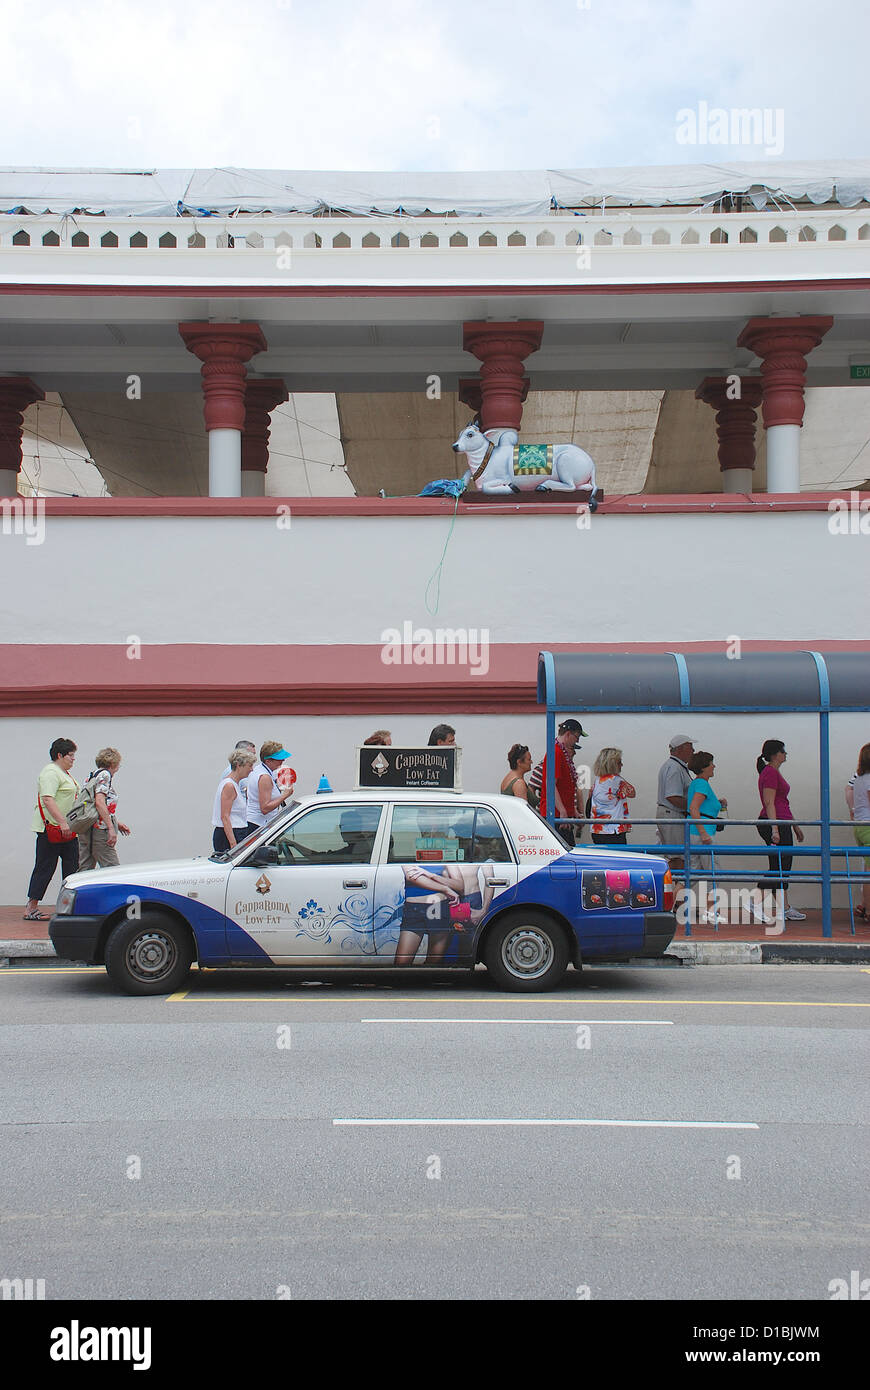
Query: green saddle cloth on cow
[[533, 458]]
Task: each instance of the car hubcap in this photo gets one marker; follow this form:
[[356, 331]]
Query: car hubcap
[[527, 952], [151, 957]]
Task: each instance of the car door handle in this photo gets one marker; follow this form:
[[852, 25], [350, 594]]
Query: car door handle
[[355, 883], [498, 882]]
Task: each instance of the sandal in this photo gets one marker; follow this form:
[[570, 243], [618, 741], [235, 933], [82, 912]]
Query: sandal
[[36, 917]]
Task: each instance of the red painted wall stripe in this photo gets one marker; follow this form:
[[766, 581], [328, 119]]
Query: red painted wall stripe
[[196, 680]]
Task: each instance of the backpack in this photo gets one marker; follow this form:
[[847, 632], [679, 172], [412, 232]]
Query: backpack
[[83, 814]]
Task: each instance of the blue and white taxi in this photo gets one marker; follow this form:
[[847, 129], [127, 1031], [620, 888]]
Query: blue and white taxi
[[368, 878]]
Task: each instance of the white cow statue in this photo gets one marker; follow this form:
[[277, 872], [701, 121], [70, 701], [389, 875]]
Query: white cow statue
[[498, 463]]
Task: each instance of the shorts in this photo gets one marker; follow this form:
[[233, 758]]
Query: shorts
[[425, 917], [862, 837], [671, 831]]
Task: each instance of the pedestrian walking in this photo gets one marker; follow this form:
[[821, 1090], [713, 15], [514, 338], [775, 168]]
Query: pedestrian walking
[[442, 736], [514, 782], [611, 794], [703, 809], [97, 846], [858, 801], [776, 824], [671, 804], [229, 816], [56, 790], [567, 806], [265, 797]]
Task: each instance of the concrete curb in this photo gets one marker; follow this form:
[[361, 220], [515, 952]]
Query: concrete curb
[[26, 950]]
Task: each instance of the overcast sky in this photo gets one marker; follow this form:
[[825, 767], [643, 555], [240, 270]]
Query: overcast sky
[[425, 84]]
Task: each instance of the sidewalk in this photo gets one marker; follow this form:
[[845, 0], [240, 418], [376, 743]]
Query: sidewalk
[[731, 945]]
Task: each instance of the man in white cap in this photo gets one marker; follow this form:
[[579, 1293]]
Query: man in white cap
[[671, 802]]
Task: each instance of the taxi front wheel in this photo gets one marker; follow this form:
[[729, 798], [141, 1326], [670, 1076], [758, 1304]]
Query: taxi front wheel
[[527, 951], [148, 956]]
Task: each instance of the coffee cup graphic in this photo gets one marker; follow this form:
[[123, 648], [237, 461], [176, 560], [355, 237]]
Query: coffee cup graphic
[[643, 889], [618, 889], [593, 890]]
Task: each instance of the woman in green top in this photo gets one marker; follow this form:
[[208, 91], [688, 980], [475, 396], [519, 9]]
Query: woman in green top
[[514, 783], [56, 791]]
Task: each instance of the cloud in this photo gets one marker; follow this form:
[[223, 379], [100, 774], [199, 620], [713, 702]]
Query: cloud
[[370, 85]]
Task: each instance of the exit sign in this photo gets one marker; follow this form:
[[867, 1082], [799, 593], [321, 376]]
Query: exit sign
[[860, 373]]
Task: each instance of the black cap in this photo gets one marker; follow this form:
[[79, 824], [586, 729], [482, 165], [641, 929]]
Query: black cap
[[572, 726]]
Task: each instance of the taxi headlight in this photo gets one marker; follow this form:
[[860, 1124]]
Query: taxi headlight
[[66, 901]]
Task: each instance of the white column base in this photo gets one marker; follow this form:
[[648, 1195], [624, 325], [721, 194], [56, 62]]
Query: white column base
[[784, 458], [737, 479], [8, 482], [253, 482], [224, 463]]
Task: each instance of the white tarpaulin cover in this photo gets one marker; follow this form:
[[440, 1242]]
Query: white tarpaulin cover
[[168, 192]]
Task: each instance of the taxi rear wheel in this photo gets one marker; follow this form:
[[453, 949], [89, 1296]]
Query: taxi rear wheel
[[526, 952], [149, 956]]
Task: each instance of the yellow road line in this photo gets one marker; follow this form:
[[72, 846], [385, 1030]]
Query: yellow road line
[[524, 999], [48, 970]]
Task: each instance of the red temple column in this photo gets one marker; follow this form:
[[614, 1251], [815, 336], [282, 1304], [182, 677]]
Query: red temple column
[[782, 344], [262, 394], [735, 425], [223, 349], [502, 349], [16, 394]]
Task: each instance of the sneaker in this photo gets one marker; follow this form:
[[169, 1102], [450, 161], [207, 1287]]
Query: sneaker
[[760, 918], [792, 915]]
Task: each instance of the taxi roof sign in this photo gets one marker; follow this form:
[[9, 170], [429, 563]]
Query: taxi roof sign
[[412, 769]]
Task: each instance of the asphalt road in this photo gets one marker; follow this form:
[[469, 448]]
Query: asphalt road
[[640, 1133]]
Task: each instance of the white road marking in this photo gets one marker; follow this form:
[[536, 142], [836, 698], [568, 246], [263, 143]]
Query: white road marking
[[559, 1022], [615, 1124]]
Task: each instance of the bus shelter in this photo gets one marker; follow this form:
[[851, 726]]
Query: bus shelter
[[796, 682]]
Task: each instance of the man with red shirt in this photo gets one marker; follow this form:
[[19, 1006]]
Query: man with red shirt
[[570, 732]]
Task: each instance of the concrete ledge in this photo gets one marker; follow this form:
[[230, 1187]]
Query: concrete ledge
[[816, 952], [716, 952], [25, 950]]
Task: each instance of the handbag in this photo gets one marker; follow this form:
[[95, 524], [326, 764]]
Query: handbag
[[53, 832]]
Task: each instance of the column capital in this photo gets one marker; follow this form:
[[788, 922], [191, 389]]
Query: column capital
[[735, 417], [223, 349], [502, 349], [16, 394], [782, 345], [262, 395]]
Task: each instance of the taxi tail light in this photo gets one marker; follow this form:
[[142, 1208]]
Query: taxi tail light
[[668, 891]]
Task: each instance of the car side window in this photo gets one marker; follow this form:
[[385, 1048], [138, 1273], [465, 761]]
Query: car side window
[[424, 833], [489, 842], [330, 835]]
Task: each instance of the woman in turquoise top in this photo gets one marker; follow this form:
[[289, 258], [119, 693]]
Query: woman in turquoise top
[[703, 809]]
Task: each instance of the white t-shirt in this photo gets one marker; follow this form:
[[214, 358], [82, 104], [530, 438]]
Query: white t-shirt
[[861, 788], [238, 810], [255, 815]]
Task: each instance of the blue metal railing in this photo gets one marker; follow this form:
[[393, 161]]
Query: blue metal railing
[[772, 878]]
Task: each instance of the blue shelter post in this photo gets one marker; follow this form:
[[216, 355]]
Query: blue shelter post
[[824, 789]]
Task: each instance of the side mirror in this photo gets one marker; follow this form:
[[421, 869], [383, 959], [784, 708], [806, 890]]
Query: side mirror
[[263, 857]]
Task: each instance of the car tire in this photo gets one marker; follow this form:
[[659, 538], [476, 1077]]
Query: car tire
[[149, 956], [527, 952]]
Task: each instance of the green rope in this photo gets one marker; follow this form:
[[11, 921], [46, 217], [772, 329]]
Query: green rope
[[435, 576]]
